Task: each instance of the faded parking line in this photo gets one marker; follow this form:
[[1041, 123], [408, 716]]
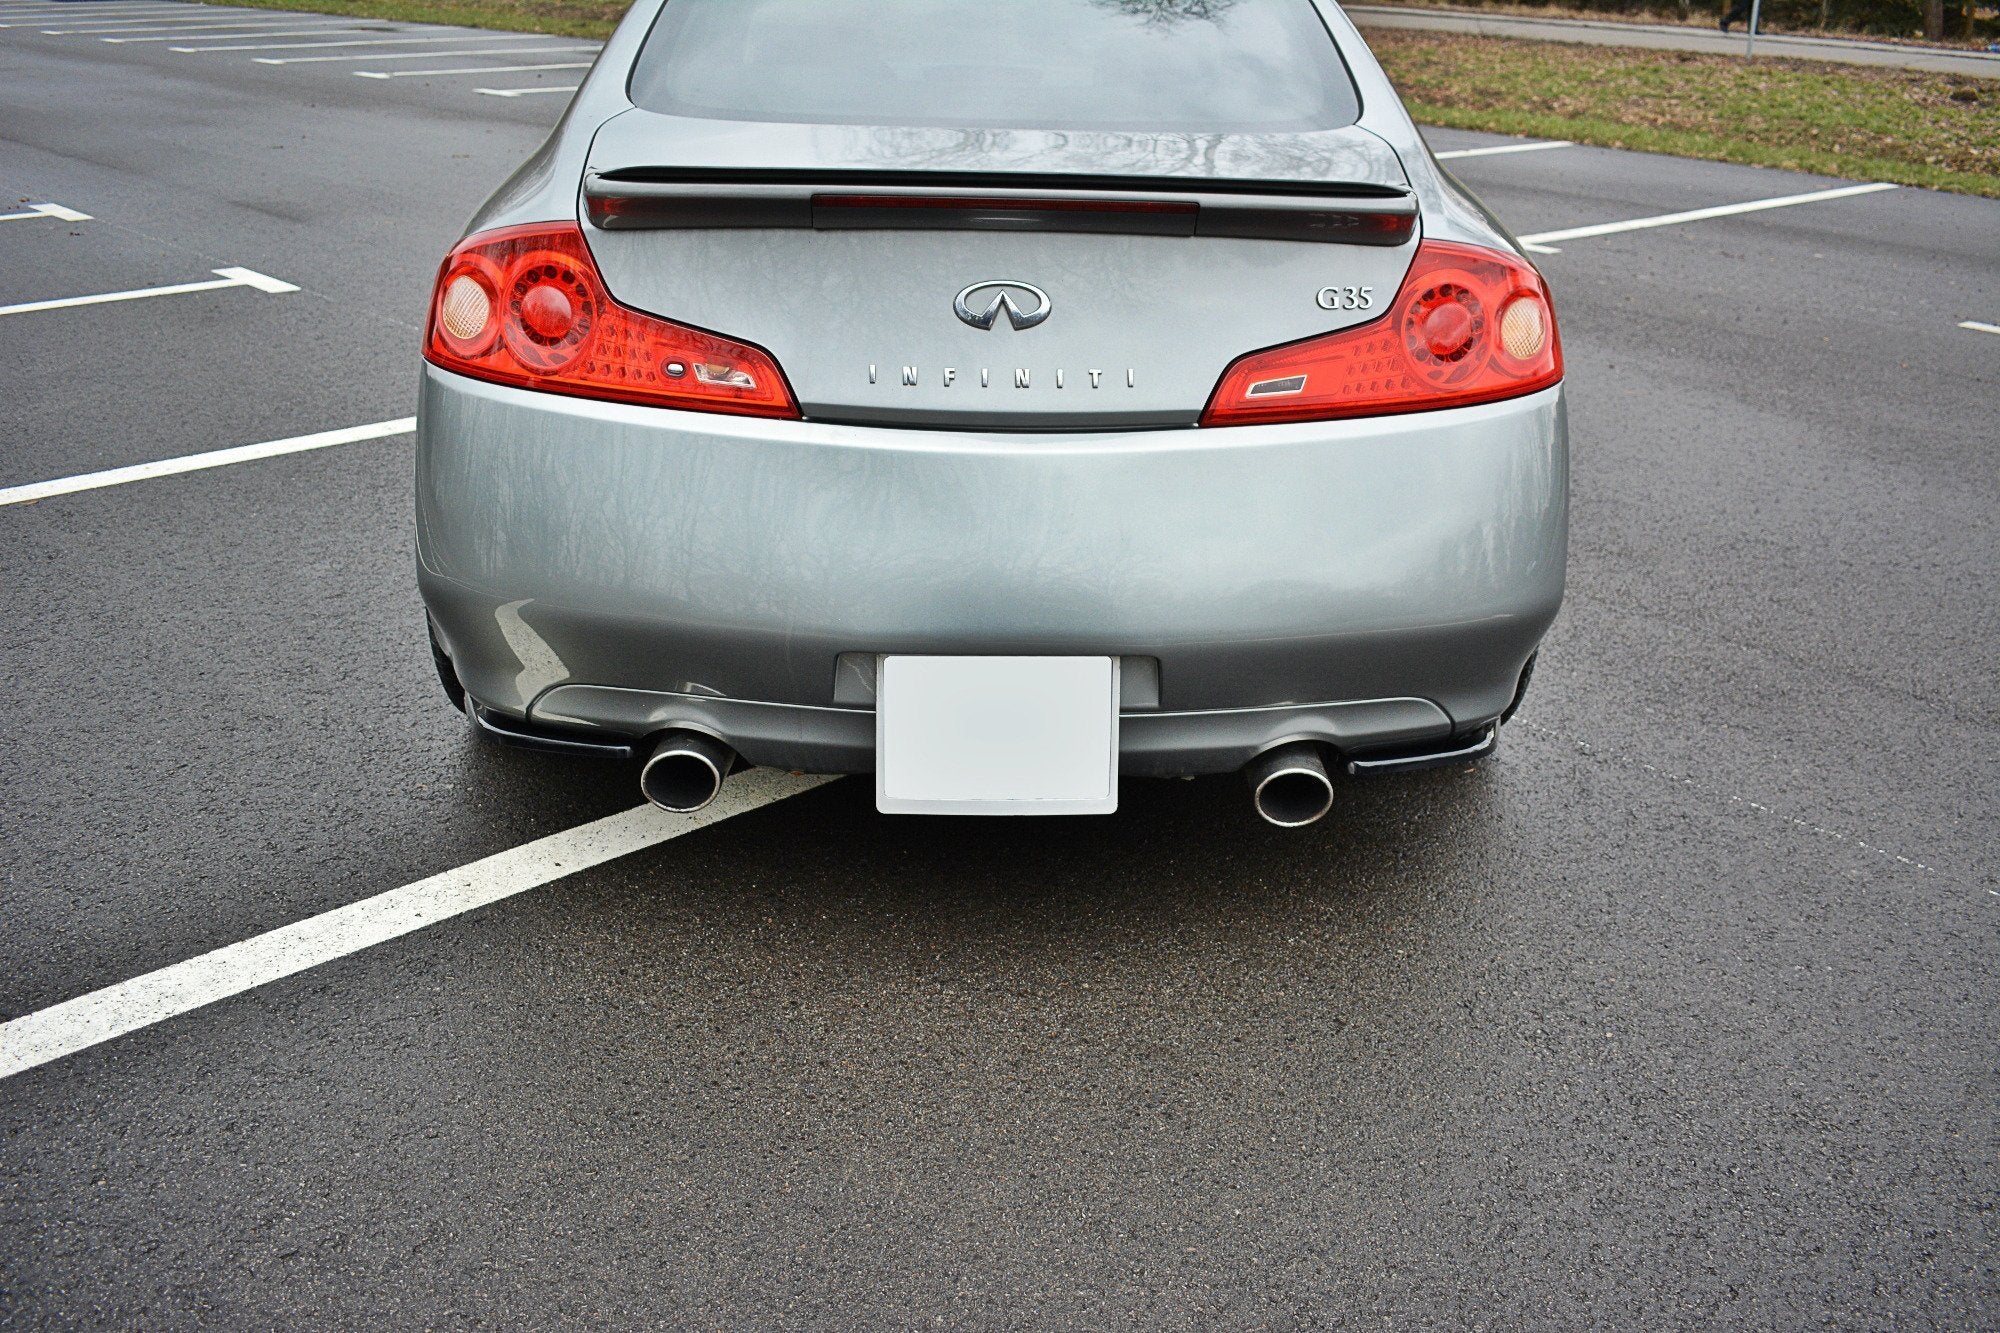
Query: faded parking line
[[113, 32], [120, 31], [25, 18], [181, 34], [358, 41], [1705, 787], [571, 50], [471, 69], [88, 1020], [168, 467]]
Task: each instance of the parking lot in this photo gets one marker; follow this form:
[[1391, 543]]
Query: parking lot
[[1680, 1010]]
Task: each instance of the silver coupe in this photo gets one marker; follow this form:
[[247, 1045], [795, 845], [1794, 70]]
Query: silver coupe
[[997, 397]]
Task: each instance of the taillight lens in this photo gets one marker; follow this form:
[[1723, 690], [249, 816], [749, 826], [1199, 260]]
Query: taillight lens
[[1470, 325], [526, 306]]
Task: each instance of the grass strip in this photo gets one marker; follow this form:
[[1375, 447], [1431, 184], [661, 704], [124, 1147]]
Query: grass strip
[[1702, 18], [1857, 122]]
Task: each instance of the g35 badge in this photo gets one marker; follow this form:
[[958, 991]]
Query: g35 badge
[[1345, 298]]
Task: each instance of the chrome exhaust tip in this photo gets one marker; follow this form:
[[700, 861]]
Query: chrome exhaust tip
[[685, 771], [1289, 785]]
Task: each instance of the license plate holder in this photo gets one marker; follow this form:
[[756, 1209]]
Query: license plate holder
[[965, 735]]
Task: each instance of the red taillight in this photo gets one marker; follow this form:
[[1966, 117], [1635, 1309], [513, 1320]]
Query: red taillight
[[1470, 325], [525, 306]]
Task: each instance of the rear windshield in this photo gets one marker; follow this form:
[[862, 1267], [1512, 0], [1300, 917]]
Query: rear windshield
[[1172, 66]]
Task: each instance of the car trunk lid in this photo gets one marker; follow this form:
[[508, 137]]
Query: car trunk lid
[[988, 278]]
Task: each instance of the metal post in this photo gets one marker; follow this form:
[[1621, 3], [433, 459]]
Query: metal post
[[1750, 47]]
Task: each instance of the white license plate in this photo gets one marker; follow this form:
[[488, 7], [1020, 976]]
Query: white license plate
[[996, 735]]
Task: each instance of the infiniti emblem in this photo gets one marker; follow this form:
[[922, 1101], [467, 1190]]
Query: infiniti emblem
[[1008, 295]]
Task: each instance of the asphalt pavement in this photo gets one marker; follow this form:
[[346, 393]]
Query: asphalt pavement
[[1679, 1011]]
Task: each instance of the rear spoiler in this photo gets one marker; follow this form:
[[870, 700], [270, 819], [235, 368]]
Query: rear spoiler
[[639, 198]]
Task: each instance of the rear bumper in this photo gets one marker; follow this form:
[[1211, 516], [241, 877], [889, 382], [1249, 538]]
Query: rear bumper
[[623, 569]]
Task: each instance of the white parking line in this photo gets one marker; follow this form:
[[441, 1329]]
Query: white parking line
[[179, 26], [1539, 243], [1505, 148], [47, 211], [370, 41], [155, 25], [1977, 327], [88, 1020], [427, 55], [214, 458], [203, 16], [173, 467], [46, 13], [26, 21], [30, 19], [233, 36], [112, 11], [225, 277], [524, 92], [475, 69]]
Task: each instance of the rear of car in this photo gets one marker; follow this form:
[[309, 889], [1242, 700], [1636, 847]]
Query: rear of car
[[828, 343]]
